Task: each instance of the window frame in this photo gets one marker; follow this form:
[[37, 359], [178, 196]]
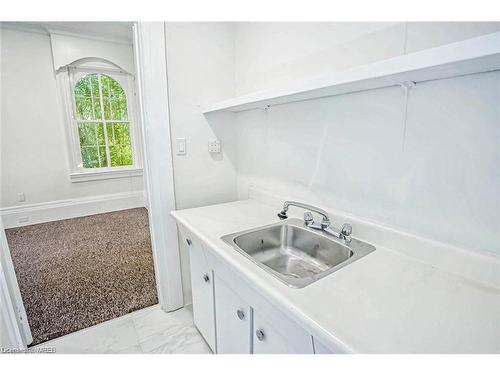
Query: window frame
[[67, 78]]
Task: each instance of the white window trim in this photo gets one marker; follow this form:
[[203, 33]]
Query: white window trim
[[65, 84], [105, 174]]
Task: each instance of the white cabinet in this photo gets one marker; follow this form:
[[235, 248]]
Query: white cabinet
[[233, 320], [234, 317], [202, 290], [275, 336], [320, 348], [242, 328]]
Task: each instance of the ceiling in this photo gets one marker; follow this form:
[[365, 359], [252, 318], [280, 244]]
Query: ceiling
[[119, 31]]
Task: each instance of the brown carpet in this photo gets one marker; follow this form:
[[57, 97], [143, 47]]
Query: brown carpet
[[79, 272]]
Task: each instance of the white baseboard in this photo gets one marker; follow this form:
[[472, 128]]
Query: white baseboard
[[18, 216]]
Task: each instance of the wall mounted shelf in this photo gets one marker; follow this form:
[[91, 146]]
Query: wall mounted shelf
[[475, 55]]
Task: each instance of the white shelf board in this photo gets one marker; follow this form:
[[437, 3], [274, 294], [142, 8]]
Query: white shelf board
[[475, 55]]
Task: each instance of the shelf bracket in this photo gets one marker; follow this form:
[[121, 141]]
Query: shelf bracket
[[406, 86]]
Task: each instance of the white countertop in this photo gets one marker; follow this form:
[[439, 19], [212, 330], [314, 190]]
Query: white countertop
[[386, 302]]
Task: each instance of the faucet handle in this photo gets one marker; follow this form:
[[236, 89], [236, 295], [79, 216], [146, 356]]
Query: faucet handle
[[346, 229], [308, 218], [346, 232]]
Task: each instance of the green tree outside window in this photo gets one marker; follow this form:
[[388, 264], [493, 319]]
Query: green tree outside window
[[102, 120]]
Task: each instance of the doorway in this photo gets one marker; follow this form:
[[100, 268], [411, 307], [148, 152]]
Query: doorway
[[80, 248]]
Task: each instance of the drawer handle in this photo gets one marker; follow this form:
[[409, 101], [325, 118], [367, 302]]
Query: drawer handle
[[206, 278], [260, 334], [188, 241], [241, 314]]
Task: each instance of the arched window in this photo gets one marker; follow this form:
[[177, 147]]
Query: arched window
[[98, 103], [102, 118]]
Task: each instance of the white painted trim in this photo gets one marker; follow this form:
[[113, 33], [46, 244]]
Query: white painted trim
[[26, 27], [94, 64], [105, 174], [9, 321], [86, 35], [151, 78], [40, 28], [70, 208], [11, 306], [65, 82]]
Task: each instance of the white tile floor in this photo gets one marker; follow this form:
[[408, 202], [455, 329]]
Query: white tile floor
[[150, 330]]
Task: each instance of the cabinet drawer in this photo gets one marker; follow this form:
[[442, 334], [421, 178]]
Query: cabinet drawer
[[233, 320]]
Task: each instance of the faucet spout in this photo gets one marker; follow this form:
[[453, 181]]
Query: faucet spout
[[305, 206], [344, 233]]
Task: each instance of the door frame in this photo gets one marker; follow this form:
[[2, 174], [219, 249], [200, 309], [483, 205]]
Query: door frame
[[152, 94], [13, 311], [154, 117]]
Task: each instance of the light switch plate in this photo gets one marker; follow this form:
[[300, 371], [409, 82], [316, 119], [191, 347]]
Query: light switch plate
[[180, 146], [21, 197], [214, 146]]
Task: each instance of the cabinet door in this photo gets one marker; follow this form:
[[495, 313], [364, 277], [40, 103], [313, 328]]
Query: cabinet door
[[277, 336], [232, 320], [320, 348], [202, 291]]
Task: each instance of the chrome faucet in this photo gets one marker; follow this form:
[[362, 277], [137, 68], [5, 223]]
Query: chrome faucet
[[344, 233]]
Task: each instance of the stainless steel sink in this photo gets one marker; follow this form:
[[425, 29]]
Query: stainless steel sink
[[295, 254]]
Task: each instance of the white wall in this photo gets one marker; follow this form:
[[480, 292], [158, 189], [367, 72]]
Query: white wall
[[436, 177], [200, 70], [268, 53], [34, 158], [346, 152], [68, 48]]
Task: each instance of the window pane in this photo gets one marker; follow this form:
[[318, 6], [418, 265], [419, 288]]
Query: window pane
[[102, 154], [87, 109], [92, 145], [94, 157], [120, 147], [120, 155], [91, 134], [84, 109], [88, 134], [90, 157], [118, 134], [105, 87], [118, 109], [82, 87], [94, 85], [107, 109], [115, 101], [111, 88], [115, 110], [88, 98]]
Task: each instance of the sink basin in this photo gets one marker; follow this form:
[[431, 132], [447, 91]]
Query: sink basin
[[294, 253]]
